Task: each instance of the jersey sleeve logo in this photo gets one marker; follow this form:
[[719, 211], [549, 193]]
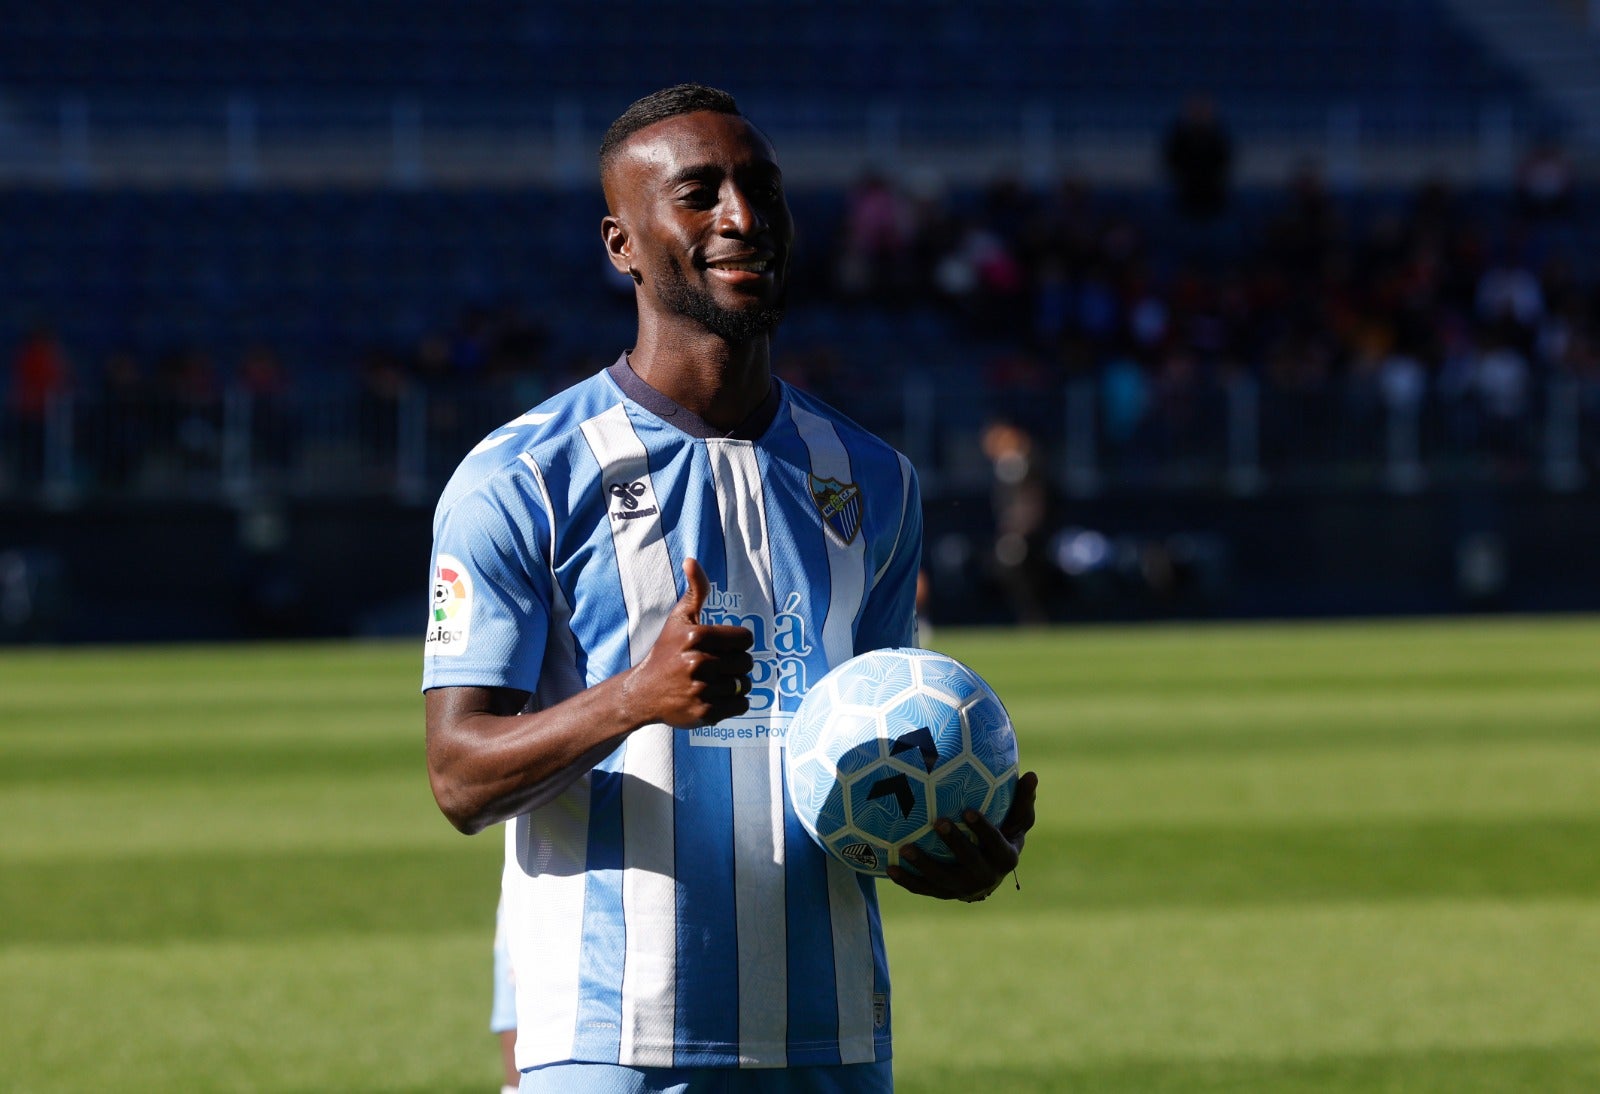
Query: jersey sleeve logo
[[627, 495], [840, 504], [450, 614]]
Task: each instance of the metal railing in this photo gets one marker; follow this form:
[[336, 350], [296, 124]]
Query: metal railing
[[242, 139], [1229, 434]]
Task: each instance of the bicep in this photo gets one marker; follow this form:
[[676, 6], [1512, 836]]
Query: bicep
[[451, 710]]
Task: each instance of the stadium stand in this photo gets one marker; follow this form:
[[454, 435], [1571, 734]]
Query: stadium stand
[[289, 250], [493, 295], [1404, 65]]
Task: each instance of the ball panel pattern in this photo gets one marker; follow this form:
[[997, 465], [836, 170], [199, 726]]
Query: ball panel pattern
[[999, 804], [817, 794], [950, 677], [887, 803], [890, 741], [844, 728], [873, 680], [962, 785], [990, 736]]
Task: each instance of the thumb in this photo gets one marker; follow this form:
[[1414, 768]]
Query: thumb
[[694, 596]]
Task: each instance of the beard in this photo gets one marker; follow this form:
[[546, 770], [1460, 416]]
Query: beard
[[729, 324]]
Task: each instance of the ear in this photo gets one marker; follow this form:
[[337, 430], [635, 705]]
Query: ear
[[619, 245]]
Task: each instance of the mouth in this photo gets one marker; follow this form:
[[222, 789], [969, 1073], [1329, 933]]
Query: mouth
[[742, 268]]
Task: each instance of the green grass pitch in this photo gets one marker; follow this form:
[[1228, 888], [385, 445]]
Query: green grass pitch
[[1316, 857]]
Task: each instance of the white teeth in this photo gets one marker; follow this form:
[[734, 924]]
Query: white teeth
[[748, 267]]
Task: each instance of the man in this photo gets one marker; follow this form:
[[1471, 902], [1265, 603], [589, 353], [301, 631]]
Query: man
[[671, 925], [1197, 152]]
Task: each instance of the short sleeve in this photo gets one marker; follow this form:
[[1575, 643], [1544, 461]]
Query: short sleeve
[[889, 618], [489, 602]]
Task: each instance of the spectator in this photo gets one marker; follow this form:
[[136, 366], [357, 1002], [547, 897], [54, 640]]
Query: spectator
[[1306, 232], [1023, 515], [264, 381], [123, 437], [877, 240], [1124, 400], [1500, 381], [189, 387], [41, 373], [1509, 295], [1544, 186], [1197, 153]]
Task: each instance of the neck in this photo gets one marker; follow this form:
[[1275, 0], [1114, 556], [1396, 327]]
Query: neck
[[721, 381]]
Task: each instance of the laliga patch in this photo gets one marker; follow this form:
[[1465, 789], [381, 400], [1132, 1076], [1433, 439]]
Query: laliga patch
[[840, 505], [450, 614]]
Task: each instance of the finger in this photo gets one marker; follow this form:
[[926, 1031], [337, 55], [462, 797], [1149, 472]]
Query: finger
[[1019, 818], [727, 687], [720, 710], [976, 873], [718, 667], [697, 587], [722, 639], [934, 877], [963, 848], [999, 854], [915, 883]]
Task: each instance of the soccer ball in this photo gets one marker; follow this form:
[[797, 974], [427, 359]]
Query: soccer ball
[[887, 743]]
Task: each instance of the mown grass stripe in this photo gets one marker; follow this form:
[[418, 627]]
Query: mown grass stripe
[[349, 1012], [1545, 1069], [1288, 982], [171, 757], [104, 820], [150, 898], [1370, 783], [210, 760], [1321, 857], [1202, 865], [242, 894]]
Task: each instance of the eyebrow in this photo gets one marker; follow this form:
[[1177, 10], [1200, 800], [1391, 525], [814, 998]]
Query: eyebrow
[[696, 173], [704, 171]]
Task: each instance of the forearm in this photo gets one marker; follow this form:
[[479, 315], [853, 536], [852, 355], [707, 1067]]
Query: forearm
[[487, 764]]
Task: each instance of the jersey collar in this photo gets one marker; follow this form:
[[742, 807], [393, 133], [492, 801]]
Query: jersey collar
[[754, 425]]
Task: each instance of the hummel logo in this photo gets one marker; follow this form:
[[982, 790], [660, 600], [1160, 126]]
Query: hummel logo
[[628, 495]]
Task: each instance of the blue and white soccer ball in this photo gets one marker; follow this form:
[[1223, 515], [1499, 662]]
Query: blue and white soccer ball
[[887, 743]]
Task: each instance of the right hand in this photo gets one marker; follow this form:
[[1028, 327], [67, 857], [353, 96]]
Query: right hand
[[697, 673]]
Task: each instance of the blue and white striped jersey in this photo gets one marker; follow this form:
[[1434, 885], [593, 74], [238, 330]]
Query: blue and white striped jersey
[[666, 909]]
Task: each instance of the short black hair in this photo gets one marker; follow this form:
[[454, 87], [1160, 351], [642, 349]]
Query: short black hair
[[658, 106]]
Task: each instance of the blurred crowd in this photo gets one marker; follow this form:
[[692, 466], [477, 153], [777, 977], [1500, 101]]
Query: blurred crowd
[[1471, 300], [1334, 305]]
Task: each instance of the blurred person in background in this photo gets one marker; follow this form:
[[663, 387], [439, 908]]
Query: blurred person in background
[[1023, 507], [1546, 181], [41, 373], [1197, 153]]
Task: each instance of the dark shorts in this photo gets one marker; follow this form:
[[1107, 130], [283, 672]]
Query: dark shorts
[[574, 1078]]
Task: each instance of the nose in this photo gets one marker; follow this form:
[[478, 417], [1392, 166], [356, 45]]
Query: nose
[[739, 216]]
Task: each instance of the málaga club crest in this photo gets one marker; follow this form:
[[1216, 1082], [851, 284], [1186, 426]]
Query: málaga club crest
[[840, 503]]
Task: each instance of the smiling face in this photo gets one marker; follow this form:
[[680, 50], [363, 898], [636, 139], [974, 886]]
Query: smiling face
[[699, 219]]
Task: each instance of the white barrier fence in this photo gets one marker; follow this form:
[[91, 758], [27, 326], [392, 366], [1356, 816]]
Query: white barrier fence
[[244, 140], [1234, 435]]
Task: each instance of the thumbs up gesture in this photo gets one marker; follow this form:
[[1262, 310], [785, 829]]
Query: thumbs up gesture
[[697, 673]]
